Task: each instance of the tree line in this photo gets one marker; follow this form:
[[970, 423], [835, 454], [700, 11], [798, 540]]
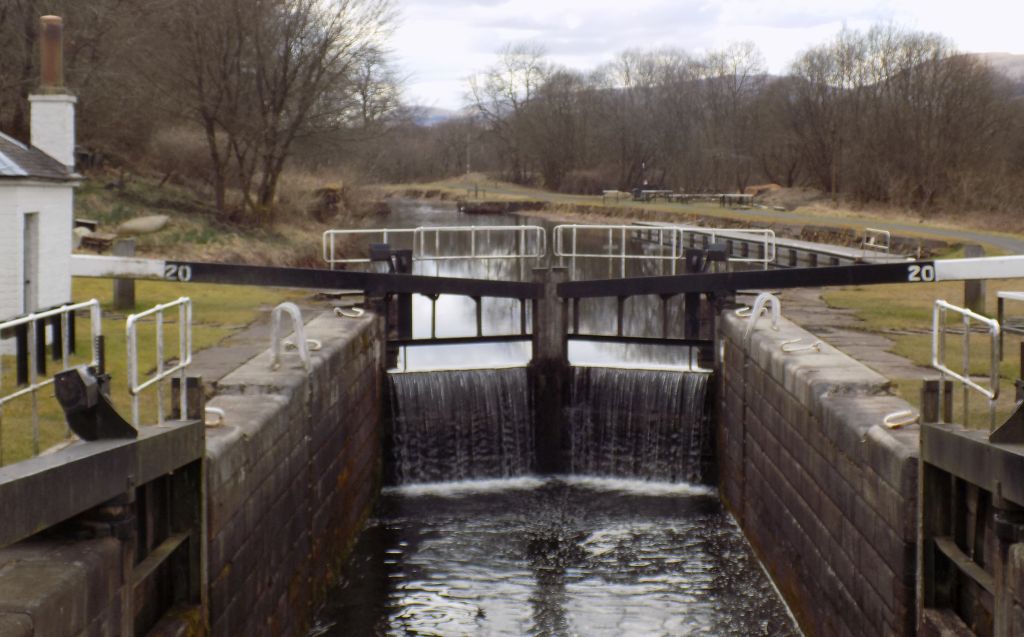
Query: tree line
[[883, 115], [223, 90], [227, 93]]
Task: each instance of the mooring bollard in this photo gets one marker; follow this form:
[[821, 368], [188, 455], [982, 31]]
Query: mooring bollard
[[195, 399], [930, 402], [549, 369]]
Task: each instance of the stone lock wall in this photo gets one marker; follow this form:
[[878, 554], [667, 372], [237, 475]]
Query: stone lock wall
[[825, 493], [291, 475]]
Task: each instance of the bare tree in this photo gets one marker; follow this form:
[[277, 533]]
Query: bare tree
[[500, 94], [260, 74]]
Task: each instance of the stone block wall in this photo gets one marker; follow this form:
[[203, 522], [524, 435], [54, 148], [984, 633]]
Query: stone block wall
[[291, 475], [825, 493], [61, 587]]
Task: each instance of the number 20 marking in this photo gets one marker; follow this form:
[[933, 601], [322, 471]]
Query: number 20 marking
[[919, 273], [174, 272]]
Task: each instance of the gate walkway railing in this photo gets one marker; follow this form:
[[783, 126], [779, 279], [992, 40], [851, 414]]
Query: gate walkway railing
[[762, 238], [876, 240], [524, 242], [940, 329], [330, 239], [184, 358], [61, 336], [436, 243], [567, 240]]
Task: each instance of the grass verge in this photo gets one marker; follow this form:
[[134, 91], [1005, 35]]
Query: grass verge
[[903, 313]]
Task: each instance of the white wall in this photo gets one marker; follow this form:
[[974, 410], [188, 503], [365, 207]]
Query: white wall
[[53, 126], [53, 203]]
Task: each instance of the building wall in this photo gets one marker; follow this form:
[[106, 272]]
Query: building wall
[[54, 205], [826, 495]]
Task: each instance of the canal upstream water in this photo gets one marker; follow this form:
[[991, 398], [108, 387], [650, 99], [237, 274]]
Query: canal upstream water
[[566, 555]]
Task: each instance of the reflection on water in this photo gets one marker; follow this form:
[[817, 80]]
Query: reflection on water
[[552, 557], [455, 316]]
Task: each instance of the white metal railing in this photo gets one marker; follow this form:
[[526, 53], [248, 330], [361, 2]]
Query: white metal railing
[[184, 358], [528, 242], [34, 382], [301, 343], [939, 332], [876, 240], [1002, 297], [763, 237], [765, 301], [568, 237], [384, 235]]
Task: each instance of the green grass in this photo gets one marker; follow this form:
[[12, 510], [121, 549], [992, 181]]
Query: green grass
[[903, 313], [218, 311]]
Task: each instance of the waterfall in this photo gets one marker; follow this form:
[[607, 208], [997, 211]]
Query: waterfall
[[477, 424], [639, 423], [459, 425]]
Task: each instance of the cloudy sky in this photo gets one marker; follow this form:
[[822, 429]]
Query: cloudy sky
[[440, 42]]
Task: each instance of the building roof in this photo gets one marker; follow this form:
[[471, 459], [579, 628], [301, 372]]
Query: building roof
[[18, 160]]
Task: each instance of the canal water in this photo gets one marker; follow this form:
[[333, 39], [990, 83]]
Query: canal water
[[554, 557], [470, 542]]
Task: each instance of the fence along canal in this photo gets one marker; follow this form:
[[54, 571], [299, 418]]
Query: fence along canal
[[468, 539]]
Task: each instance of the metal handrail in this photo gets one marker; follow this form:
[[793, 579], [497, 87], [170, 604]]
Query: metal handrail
[[939, 356], [872, 237], [528, 236], [572, 251], [532, 242], [184, 305], [1002, 297], [329, 249], [34, 383], [768, 241], [763, 300], [301, 344], [766, 238]]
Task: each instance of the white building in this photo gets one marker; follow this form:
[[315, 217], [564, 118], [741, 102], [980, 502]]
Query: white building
[[37, 183]]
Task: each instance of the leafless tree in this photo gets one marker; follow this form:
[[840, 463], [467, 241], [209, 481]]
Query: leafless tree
[[500, 94]]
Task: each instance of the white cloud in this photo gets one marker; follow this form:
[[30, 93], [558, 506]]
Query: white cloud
[[441, 42]]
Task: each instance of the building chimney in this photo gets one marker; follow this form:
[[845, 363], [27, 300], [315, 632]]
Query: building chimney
[[53, 108], [51, 54]]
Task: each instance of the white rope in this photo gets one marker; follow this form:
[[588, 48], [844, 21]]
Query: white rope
[[898, 419], [790, 346], [216, 411]]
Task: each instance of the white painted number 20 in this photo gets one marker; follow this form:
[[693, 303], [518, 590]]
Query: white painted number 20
[[918, 273], [183, 273]]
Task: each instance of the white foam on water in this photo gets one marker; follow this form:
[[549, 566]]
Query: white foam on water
[[594, 483], [639, 487], [466, 487]]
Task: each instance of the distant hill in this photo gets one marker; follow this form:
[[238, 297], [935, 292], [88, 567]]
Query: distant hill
[[429, 116], [1009, 64]]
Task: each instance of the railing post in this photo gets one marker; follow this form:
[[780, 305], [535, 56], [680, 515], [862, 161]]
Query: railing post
[[124, 289], [549, 369], [403, 265], [195, 399], [974, 290], [930, 411], [691, 300]]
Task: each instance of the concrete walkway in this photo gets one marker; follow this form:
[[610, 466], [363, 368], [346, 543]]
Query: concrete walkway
[[841, 329]]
